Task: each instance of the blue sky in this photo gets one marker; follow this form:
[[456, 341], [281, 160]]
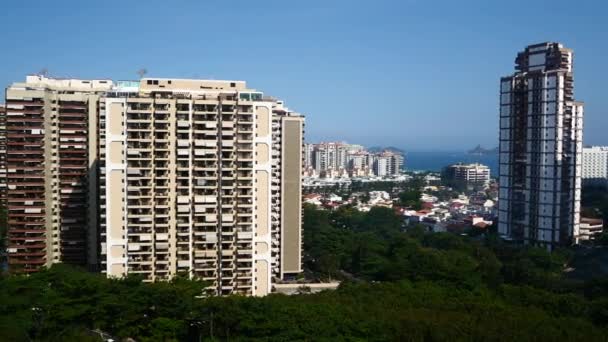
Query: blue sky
[[421, 75]]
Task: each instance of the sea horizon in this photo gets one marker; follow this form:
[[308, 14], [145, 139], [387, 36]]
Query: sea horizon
[[437, 160]]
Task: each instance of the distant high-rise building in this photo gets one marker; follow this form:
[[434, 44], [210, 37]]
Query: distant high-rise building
[[396, 163], [51, 132], [540, 148], [595, 165], [381, 166], [203, 178], [331, 155], [320, 160], [309, 150], [341, 159], [354, 148], [358, 160], [387, 163]]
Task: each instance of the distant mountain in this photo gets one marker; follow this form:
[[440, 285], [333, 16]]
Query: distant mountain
[[480, 150], [376, 149]]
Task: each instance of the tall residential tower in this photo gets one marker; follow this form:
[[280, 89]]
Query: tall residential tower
[[202, 178], [156, 178], [51, 132], [540, 148]]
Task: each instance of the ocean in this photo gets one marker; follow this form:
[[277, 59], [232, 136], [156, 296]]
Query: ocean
[[435, 161]]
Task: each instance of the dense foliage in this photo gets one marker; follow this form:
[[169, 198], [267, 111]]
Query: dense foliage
[[594, 203], [375, 246], [62, 304], [356, 186], [396, 286]]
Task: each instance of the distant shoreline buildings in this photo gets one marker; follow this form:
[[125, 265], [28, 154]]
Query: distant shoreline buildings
[[342, 160]]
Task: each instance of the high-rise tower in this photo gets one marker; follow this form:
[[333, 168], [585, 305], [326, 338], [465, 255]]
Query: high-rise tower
[[202, 178], [540, 148], [157, 178], [51, 132]]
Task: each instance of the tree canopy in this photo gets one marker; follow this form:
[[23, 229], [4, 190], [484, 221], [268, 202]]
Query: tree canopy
[[397, 284]]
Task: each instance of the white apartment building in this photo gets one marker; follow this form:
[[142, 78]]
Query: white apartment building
[[541, 134], [396, 163], [337, 157], [386, 163], [203, 178], [309, 150], [469, 174], [381, 166], [595, 165], [329, 155], [358, 160]]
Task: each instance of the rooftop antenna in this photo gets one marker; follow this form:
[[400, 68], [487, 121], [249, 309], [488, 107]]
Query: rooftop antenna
[[44, 72], [142, 72]]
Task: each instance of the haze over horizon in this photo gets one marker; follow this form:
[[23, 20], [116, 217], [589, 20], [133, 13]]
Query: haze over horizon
[[417, 75]]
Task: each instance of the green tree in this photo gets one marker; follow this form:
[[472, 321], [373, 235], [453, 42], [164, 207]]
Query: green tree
[[411, 199]]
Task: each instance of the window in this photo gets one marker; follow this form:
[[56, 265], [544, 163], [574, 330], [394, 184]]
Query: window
[[232, 84]]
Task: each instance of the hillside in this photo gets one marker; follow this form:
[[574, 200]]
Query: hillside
[[376, 149]]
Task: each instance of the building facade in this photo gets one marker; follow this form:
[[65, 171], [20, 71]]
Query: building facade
[[156, 178], [209, 174], [469, 174], [595, 166], [51, 132], [381, 165], [396, 163], [386, 163], [309, 150], [357, 160], [330, 155], [3, 188], [540, 148]]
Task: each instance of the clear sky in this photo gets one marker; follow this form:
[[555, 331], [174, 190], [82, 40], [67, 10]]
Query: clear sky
[[417, 74]]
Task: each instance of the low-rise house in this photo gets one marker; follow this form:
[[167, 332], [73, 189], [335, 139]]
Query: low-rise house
[[428, 198], [333, 198], [313, 199], [589, 228], [477, 221]]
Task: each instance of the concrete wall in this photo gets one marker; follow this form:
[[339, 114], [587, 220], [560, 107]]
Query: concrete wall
[[291, 235]]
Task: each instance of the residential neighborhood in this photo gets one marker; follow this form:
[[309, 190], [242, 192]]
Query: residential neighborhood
[[440, 208]]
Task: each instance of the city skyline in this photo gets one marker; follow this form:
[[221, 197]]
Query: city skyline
[[367, 56], [316, 170]]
